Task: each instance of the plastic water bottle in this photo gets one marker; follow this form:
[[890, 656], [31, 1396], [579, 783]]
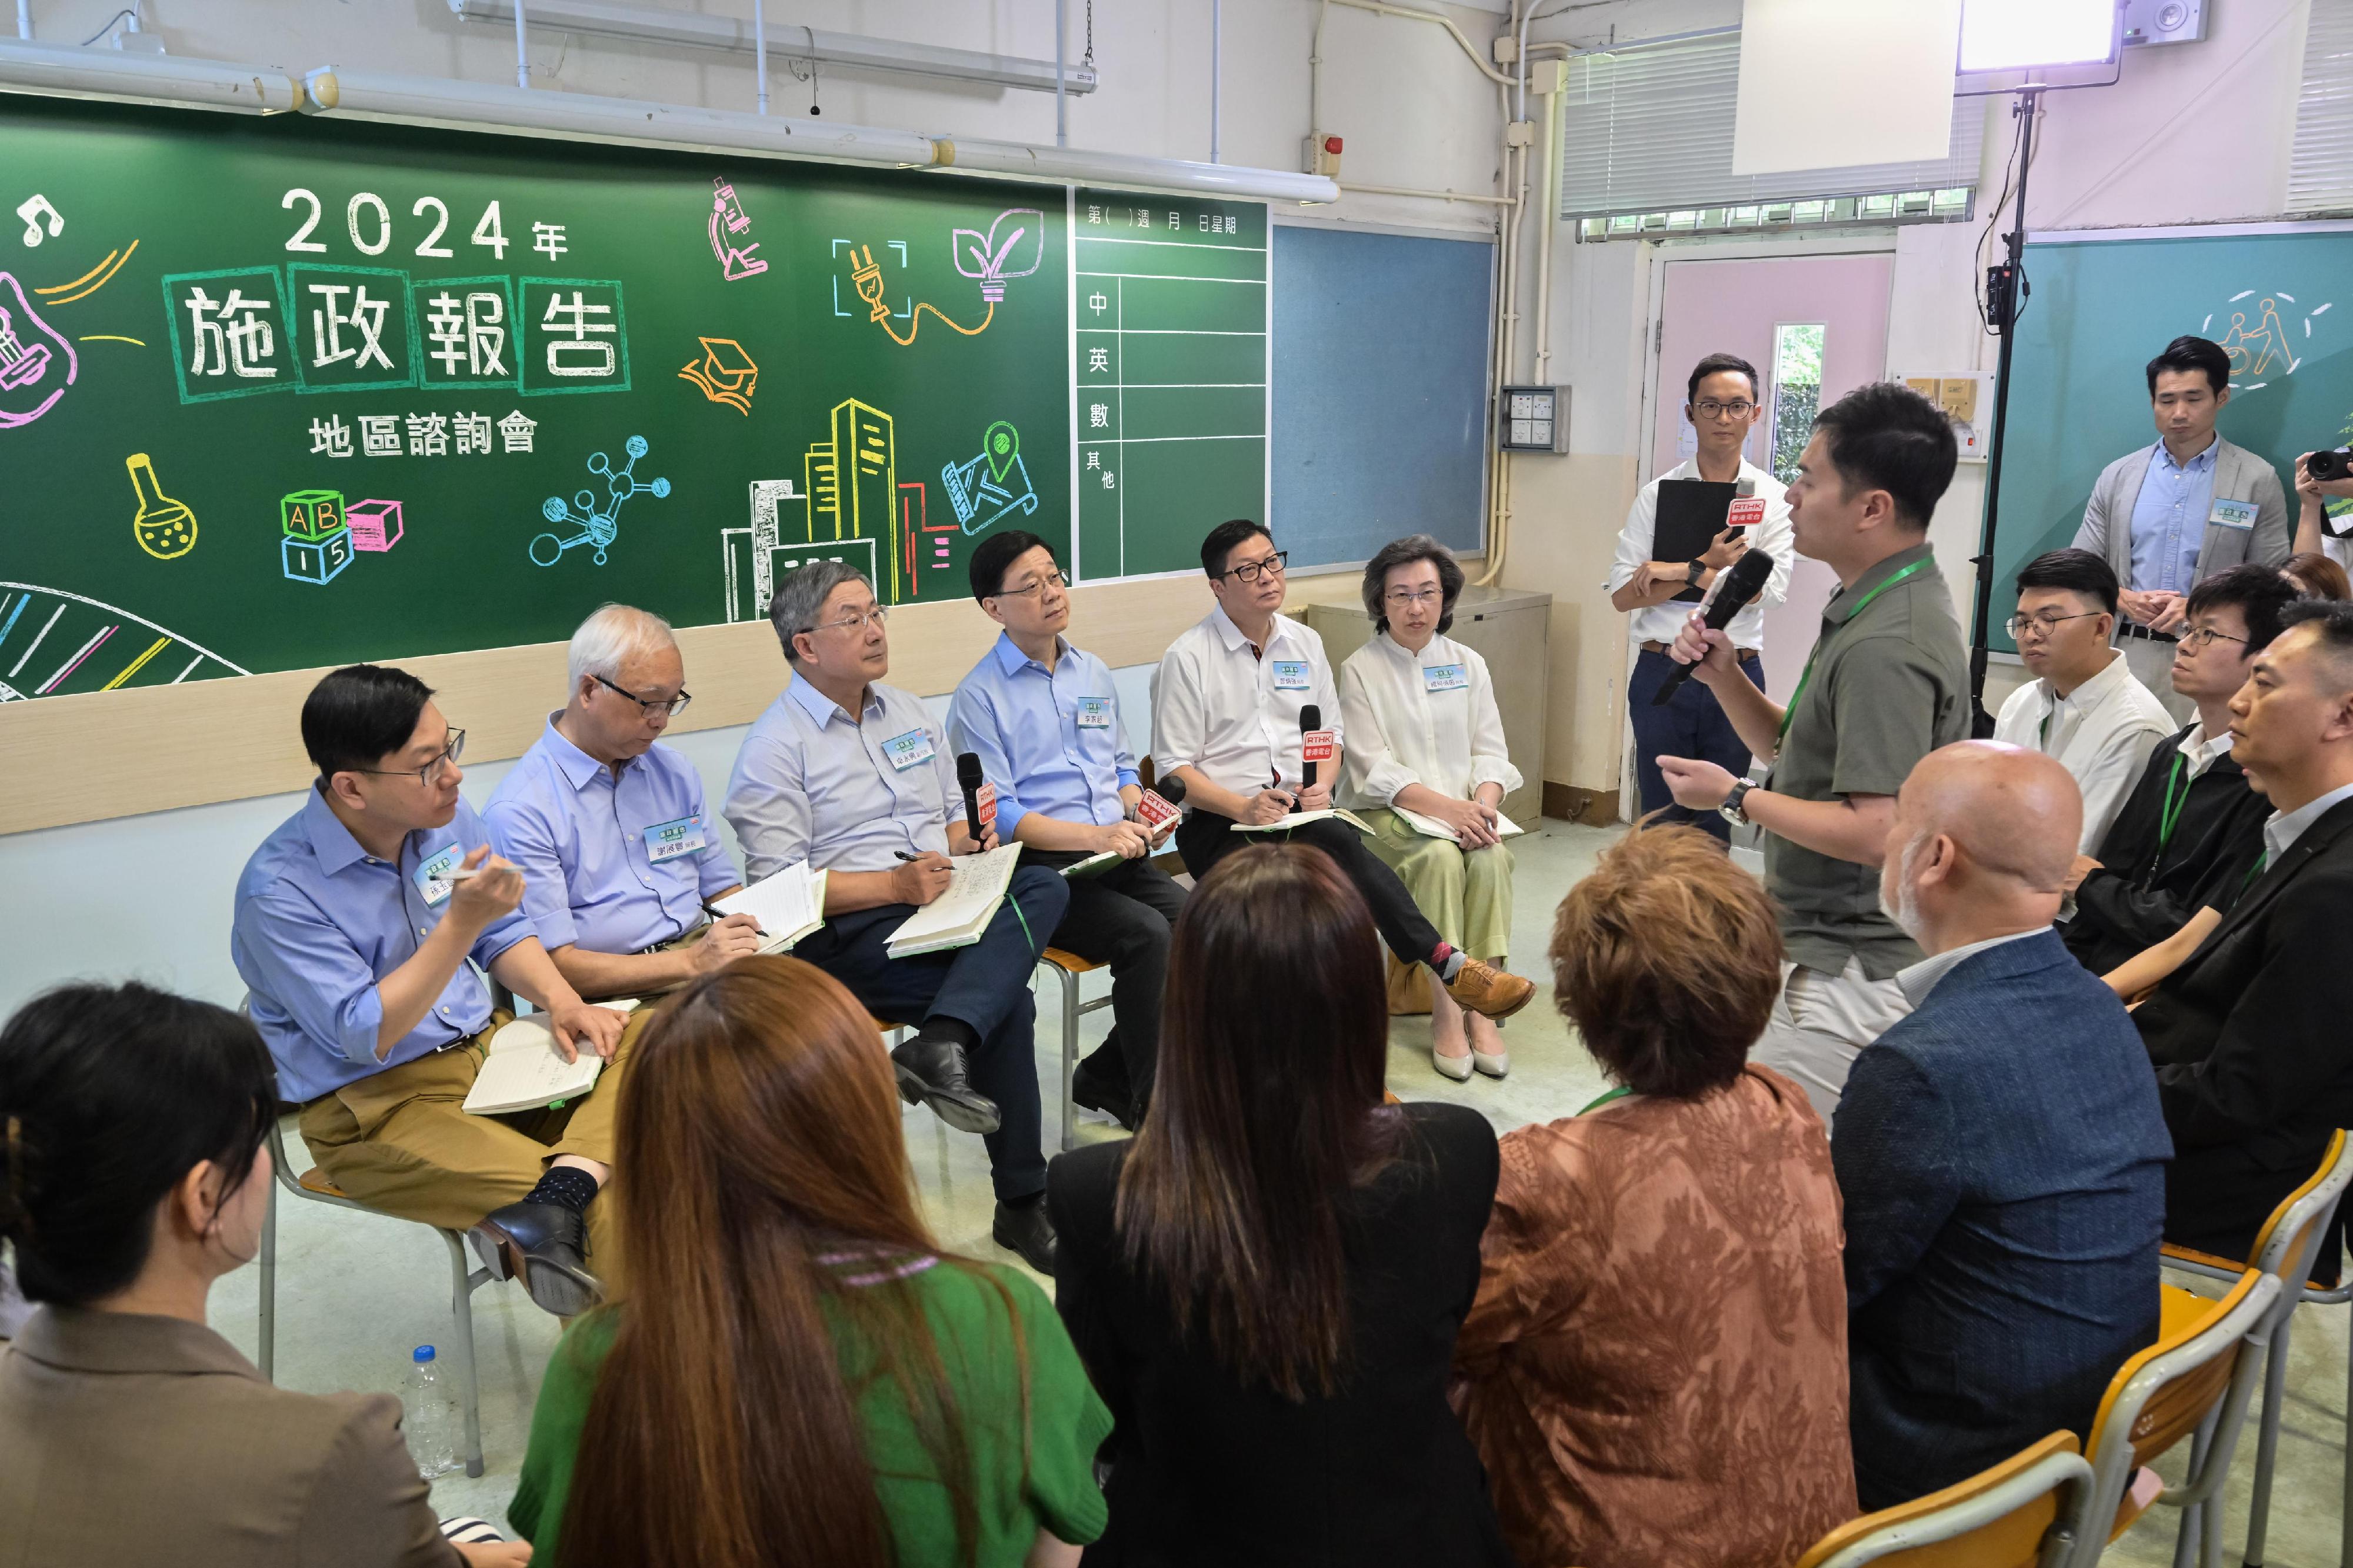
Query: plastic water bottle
[[428, 1416]]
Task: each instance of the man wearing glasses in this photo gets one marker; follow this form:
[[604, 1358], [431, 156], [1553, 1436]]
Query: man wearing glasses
[[1043, 717], [856, 778], [1721, 402], [353, 924], [2084, 707], [1226, 709], [619, 852]]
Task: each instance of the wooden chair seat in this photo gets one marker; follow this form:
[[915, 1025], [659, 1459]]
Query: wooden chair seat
[[1070, 961]]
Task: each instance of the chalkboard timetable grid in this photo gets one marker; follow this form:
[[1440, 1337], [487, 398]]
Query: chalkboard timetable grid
[[282, 392]]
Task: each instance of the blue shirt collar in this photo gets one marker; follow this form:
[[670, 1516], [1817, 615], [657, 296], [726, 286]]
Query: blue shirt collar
[[820, 707], [331, 842], [1012, 660], [574, 764], [2199, 464]]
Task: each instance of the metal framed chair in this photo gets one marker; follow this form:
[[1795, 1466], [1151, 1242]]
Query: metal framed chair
[[465, 1279], [2007, 1516], [2285, 1247], [2194, 1382], [1067, 967]]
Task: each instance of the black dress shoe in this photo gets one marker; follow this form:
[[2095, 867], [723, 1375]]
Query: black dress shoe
[[1098, 1088], [546, 1246], [1024, 1229], [931, 1072]]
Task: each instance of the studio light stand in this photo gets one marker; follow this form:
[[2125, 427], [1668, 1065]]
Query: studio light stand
[[2005, 290]]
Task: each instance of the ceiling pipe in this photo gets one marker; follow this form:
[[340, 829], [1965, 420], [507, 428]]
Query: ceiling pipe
[[1217, 61], [689, 29], [1061, 100], [162, 79], [522, 60], [759, 48]]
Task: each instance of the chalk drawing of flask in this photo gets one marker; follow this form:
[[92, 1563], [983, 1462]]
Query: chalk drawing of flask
[[33, 374], [164, 528]]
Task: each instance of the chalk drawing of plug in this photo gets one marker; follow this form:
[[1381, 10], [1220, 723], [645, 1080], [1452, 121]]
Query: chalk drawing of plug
[[1014, 246], [869, 278]]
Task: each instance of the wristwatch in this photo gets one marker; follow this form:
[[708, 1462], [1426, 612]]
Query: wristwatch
[[1693, 569], [1735, 809]]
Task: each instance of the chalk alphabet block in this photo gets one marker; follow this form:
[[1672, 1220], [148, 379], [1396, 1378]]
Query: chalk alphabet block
[[316, 560], [311, 514], [375, 524]]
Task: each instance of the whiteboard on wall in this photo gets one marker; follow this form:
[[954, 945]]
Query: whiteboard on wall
[[1381, 370]]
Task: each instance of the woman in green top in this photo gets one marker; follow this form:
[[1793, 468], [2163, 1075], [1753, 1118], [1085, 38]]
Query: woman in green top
[[799, 1373]]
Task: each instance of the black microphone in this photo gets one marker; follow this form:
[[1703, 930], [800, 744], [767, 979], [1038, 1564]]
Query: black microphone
[[968, 778], [1732, 594], [1311, 717]]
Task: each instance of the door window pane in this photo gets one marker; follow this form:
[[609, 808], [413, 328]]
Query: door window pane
[[1797, 392]]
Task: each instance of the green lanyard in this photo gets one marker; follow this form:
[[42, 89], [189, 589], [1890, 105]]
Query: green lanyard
[[1790, 714], [1620, 1092], [2172, 812]]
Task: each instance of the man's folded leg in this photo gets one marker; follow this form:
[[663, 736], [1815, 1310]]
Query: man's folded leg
[[1470, 981]]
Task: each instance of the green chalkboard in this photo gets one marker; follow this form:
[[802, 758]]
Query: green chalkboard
[[277, 393], [2281, 303]]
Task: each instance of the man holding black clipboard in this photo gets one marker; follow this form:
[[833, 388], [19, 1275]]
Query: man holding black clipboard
[[1681, 532]]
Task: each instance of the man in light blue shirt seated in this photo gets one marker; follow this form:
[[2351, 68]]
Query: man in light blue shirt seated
[[2171, 515], [1044, 719], [619, 852], [353, 926], [856, 778]]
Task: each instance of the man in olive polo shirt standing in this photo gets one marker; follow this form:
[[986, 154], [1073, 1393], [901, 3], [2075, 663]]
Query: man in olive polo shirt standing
[[1887, 683]]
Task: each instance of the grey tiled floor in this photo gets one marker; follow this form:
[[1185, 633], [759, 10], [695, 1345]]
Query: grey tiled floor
[[357, 1293]]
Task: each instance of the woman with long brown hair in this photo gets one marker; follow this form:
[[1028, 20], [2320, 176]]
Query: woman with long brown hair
[[797, 1373], [1265, 1282]]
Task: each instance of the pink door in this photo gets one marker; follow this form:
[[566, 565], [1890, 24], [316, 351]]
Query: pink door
[[1816, 328]]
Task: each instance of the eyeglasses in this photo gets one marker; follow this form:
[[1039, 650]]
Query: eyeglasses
[[1051, 579], [878, 616], [1709, 408], [2206, 636], [1252, 571], [2042, 625], [430, 770], [673, 706], [1401, 597]]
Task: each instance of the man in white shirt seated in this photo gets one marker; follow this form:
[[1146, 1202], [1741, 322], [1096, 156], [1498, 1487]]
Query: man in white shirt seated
[[1722, 404], [618, 851], [2084, 707], [1226, 710]]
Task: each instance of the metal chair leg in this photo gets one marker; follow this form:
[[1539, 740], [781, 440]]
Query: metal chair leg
[[2259, 1510], [2190, 1540], [1070, 1056], [2345, 1517], [461, 1336], [269, 1286]]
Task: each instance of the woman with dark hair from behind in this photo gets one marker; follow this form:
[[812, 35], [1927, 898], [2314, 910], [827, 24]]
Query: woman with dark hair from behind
[[1266, 1280], [1656, 1369], [2316, 577], [796, 1372], [131, 1177]]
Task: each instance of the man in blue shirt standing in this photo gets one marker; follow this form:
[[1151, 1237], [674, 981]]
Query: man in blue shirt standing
[[619, 852], [354, 921], [1043, 717], [2172, 514], [856, 778]]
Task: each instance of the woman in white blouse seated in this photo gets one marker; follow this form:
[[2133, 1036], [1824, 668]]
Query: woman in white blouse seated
[[1424, 737]]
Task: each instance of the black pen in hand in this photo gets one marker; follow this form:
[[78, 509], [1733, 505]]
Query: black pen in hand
[[718, 914]]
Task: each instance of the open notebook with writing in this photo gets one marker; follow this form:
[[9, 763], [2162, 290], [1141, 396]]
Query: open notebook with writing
[[958, 917], [523, 1070], [788, 904]]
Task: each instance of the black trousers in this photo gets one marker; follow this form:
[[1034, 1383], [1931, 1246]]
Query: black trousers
[[1204, 839], [1122, 918]]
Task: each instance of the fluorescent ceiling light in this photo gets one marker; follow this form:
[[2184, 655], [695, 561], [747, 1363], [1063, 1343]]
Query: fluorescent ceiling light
[[147, 79], [2016, 35], [785, 41]]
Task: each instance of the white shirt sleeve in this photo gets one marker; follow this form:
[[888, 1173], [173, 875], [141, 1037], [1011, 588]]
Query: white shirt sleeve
[[1635, 539], [1179, 717], [1327, 695], [2109, 777], [1370, 771], [1778, 539], [1490, 761]]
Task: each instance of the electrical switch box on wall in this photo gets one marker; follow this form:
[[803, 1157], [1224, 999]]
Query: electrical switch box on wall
[[1322, 155], [1534, 419]]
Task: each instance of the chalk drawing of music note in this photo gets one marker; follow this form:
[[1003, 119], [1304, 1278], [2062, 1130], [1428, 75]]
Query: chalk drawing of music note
[[32, 211]]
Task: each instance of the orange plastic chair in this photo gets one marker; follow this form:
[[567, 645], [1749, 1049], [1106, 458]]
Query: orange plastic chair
[[2007, 1516]]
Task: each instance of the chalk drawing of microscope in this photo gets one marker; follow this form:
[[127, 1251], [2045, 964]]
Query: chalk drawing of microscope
[[597, 524]]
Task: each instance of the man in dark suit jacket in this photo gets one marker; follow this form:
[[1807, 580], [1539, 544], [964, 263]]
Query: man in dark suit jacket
[[2191, 818], [2249, 1034], [2000, 1151]]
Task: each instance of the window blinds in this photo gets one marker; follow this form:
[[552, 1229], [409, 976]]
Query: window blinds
[[1652, 128], [2320, 171]]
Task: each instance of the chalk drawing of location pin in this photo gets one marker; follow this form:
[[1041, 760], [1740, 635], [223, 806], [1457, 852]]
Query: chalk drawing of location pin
[[1003, 443], [165, 528]]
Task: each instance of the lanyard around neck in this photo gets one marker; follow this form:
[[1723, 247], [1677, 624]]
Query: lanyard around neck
[[1790, 714]]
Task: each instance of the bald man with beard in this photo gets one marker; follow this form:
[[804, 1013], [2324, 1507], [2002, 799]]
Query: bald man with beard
[[2000, 1151]]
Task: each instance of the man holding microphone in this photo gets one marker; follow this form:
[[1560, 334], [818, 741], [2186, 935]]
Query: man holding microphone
[[1887, 683]]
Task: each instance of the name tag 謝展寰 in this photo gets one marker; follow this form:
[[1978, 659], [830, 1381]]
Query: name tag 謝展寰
[[669, 840]]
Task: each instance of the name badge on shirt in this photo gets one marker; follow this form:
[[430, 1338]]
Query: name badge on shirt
[[906, 751], [432, 875], [1290, 675], [1095, 712], [669, 840], [1445, 677], [2232, 513]]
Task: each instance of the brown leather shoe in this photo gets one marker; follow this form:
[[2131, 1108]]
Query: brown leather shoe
[[1489, 991]]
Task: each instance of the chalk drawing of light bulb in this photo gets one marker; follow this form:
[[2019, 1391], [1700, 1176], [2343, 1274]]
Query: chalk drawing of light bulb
[[1014, 246]]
